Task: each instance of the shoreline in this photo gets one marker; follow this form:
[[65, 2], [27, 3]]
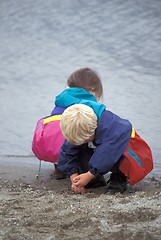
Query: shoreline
[[46, 208]]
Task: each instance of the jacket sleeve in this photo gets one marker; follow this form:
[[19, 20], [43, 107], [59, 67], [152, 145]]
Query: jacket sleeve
[[112, 137], [103, 159], [68, 159]]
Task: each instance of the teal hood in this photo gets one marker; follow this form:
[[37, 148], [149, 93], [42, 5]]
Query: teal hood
[[72, 96]]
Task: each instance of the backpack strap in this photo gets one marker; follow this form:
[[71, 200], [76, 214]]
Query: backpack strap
[[52, 118]]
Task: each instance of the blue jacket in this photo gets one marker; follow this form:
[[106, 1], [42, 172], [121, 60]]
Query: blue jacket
[[111, 139]]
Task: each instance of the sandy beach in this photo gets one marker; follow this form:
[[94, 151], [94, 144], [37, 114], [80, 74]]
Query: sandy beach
[[46, 208]]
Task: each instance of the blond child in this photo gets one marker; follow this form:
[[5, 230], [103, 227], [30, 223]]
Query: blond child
[[117, 148]]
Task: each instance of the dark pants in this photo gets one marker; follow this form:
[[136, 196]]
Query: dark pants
[[84, 157]]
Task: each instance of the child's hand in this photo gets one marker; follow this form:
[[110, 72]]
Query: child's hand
[[78, 189], [82, 179], [75, 188]]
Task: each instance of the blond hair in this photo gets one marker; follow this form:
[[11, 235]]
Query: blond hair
[[78, 123]]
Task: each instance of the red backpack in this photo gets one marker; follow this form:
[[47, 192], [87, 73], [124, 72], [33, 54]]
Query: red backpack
[[137, 159]]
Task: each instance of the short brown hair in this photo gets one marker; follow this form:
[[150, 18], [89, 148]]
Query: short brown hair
[[87, 79]]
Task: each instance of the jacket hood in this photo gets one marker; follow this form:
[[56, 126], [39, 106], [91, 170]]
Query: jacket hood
[[72, 96]]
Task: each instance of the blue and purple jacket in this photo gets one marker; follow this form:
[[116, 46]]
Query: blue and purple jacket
[[111, 138]]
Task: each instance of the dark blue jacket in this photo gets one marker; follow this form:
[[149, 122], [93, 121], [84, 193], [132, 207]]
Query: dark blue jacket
[[111, 138]]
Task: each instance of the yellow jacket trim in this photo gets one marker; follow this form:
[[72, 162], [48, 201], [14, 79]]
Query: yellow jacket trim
[[133, 133], [52, 118]]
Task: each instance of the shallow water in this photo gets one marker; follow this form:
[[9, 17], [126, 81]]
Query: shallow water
[[42, 42]]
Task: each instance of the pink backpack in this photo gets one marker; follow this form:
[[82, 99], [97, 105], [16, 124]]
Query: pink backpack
[[48, 139]]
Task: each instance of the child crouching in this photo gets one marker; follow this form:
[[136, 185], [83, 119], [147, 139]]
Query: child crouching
[[117, 148]]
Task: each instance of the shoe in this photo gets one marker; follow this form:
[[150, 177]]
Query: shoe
[[117, 183], [58, 175], [97, 182]]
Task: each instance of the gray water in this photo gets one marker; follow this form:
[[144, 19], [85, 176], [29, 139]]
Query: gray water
[[43, 42]]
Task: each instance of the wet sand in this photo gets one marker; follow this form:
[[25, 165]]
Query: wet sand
[[46, 208]]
